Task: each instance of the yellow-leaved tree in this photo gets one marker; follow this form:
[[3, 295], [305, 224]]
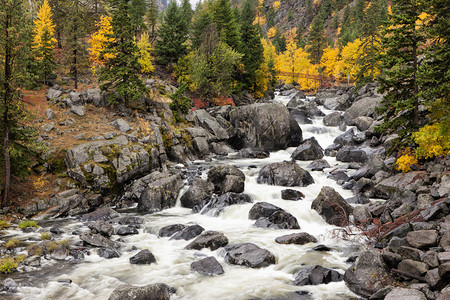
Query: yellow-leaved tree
[[329, 60], [44, 42], [145, 59], [99, 40], [347, 66], [265, 75]]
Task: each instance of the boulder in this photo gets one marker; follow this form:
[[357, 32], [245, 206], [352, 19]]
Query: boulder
[[422, 238], [208, 239], [363, 123], [188, 233], [249, 255], [361, 214], [161, 193], [363, 276], [98, 240], [300, 116], [207, 266], [169, 230], [253, 153], [362, 107], [218, 203], [339, 102], [156, 291], [108, 253], [345, 138], [127, 230], [405, 294], [101, 214], [284, 174], [351, 154], [264, 125], [143, 257], [54, 92], [121, 124], [49, 114], [316, 275], [78, 110], [308, 150], [271, 216], [289, 194], [102, 227], [319, 165], [334, 119], [226, 179], [296, 238], [210, 124], [413, 267], [332, 207], [199, 191]]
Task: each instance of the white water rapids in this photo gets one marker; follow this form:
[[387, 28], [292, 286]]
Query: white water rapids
[[96, 277]]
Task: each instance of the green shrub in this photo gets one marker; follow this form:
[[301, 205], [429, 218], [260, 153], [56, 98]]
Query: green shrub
[[7, 265], [27, 223], [4, 224], [12, 243], [45, 235]]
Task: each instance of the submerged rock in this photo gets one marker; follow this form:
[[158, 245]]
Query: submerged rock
[[218, 203]]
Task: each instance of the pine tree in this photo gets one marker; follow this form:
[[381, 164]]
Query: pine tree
[[401, 42], [202, 20], [170, 45], [121, 72], [44, 42], [186, 12], [279, 41], [137, 10], [251, 48], [226, 24], [152, 16], [316, 40]]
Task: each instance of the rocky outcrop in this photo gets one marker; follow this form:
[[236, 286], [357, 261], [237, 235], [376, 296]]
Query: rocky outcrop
[[332, 207], [267, 126], [160, 193], [249, 255], [284, 174], [156, 291]]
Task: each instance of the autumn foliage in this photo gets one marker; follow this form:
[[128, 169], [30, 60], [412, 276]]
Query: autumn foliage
[[99, 40]]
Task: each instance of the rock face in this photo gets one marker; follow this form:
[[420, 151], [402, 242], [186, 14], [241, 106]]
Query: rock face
[[362, 277], [332, 207], [308, 150], [316, 275], [208, 239], [207, 266], [264, 125], [157, 291], [160, 193], [296, 238], [270, 216], [226, 179], [199, 191], [284, 174], [249, 255]]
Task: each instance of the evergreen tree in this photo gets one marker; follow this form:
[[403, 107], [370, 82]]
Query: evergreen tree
[[16, 135], [75, 54], [309, 10], [186, 12], [279, 41], [202, 20], [170, 45], [137, 10], [121, 72], [252, 48], [271, 17], [226, 24], [152, 16], [316, 40], [401, 41]]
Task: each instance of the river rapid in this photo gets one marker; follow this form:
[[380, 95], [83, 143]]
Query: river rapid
[[96, 277]]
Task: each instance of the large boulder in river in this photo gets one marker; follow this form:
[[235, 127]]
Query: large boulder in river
[[286, 173], [98, 240], [300, 238], [308, 150], [362, 107], [208, 239], [249, 255], [226, 179], [363, 277], [316, 275], [270, 216], [207, 266], [197, 192], [156, 291], [332, 207], [218, 203], [264, 125], [161, 193]]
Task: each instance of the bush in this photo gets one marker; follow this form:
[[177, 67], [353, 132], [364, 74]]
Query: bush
[[432, 141], [7, 265], [27, 223], [45, 236], [4, 224], [180, 103], [404, 162], [12, 243]]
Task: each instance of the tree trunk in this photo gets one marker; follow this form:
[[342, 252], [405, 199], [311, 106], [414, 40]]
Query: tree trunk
[[6, 99], [416, 89]]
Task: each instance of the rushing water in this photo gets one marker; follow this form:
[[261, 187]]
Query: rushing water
[[96, 277]]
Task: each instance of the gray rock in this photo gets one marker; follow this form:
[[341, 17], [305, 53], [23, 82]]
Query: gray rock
[[121, 125], [362, 277], [205, 120], [208, 239], [218, 203], [271, 216], [431, 259], [75, 98], [424, 201], [131, 220], [338, 103], [410, 253], [199, 191], [169, 230], [253, 153], [319, 165], [405, 294], [201, 146], [47, 127], [249, 255], [435, 281], [157, 291], [289, 194], [264, 125], [351, 154], [188, 233], [395, 243], [308, 150], [101, 214], [361, 214], [207, 266], [49, 114], [345, 138], [98, 240], [333, 119], [413, 267], [316, 275], [296, 238], [397, 184], [161, 193], [284, 174], [363, 123], [226, 179], [332, 207], [54, 92], [126, 230], [102, 227], [422, 238], [363, 107], [78, 110], [143, 257], [108, 253]]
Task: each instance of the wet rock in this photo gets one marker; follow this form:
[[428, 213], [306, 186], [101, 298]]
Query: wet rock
[[108, 253], [121, 125], [157, 291], [332, 207], [169, 230], [321, 248], [289, 194], [301, 116], [319, 165], [271, 216], [422, 238], [308, 150], [362, 278], [345, 138], [143, 257], [351, 154], [126, 230], [248, 254], [131, 220], [102, 227], [208, 239], [264, 125], [98, 240], [188, 233], [199, 191], [253, 153], [218, 203], [226, 179], [101, 214], [333, 119], [284, 174], [405, 294], [316, 275], [207, 266], [161, 193], [296, 238]]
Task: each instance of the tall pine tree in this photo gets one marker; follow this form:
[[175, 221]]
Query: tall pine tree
[[316, 40], [226, 23], [137, 8], [152, 16]]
